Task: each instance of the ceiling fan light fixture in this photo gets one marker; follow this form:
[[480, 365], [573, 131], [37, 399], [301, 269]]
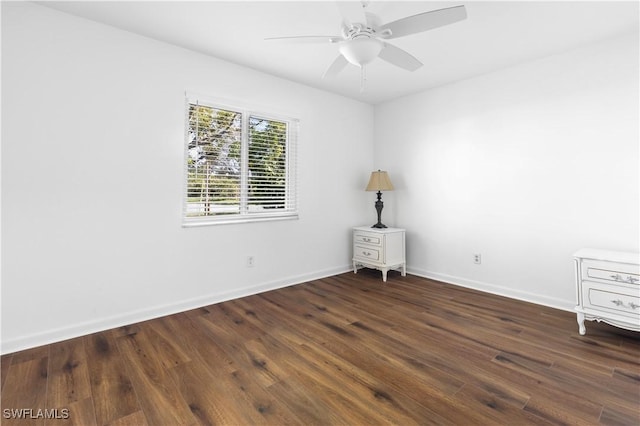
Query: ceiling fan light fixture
[[361, 51]]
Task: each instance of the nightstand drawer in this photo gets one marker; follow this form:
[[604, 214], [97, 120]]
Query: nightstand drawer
[[366, 238], [365, 252]]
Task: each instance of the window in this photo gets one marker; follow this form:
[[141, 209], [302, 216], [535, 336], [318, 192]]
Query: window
[[239, 165]]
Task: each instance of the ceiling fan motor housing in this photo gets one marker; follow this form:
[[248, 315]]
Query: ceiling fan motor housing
[[368, 29], [361, 45]]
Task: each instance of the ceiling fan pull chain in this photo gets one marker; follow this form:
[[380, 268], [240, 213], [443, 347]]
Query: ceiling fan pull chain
[[363, 78]]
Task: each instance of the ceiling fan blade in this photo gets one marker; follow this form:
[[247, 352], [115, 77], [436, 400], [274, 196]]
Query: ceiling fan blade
[[352, 12], [396, 56], [424, 21], [306, 39], [337, 66]]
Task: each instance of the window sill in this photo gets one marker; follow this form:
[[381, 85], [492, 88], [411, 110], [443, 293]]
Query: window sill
[[210, 221]]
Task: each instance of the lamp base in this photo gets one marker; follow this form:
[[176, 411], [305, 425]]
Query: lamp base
[[379, 206]]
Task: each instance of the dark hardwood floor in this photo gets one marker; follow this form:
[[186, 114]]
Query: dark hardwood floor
[[345, 350]]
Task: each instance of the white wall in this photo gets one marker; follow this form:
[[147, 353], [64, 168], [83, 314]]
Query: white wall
[[92, 168], [523, 166]]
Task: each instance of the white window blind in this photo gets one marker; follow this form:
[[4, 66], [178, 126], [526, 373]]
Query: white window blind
[[239, 165]]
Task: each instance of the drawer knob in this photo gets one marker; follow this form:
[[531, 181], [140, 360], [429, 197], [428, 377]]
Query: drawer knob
[[615, 277], [631, 279], [633, 305], [366, 253], [367, 239]]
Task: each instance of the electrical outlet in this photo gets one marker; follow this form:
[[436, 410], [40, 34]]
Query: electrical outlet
[[250, 262], [477, 259]]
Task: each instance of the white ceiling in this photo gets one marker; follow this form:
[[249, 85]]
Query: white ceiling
[[495, 35]]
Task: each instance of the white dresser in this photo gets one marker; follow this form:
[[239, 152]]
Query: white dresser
[[379, 248], [608, 288]]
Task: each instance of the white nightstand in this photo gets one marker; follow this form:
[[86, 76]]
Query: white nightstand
[[379, 248]]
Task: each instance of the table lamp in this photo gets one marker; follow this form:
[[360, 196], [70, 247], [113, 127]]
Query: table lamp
[[379, 181]]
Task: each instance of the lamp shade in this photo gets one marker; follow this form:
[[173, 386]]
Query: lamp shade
[[361, 51], [379, 181]]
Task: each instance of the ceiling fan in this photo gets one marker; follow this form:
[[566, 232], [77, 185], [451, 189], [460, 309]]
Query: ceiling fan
[[363, 37]]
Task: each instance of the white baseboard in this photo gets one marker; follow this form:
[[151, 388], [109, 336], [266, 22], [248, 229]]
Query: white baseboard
[[538, 299], [94, 326], [82, 329]]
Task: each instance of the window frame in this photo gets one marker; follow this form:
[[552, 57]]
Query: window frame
[[290, 212]]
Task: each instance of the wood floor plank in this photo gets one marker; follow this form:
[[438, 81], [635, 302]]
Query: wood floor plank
[[428, 364], [587, 349], [367, 391], [198, 342], [352, 401], [248, 399], [258, 401], [125, 330], [135, 419], [298, 394], [369, 368], [554, 400], [299, 399], [5, 362], [610, 387], [113, 393], [78, 413], [561, 408], [68, 374], [208, 395], [341, 350], [26, 391], [30, 354], [205, 396], [615, 414], [153, 383], [225, 345], [424, 355], [495, 409], [268, 370], [232, 322], [167, 348]]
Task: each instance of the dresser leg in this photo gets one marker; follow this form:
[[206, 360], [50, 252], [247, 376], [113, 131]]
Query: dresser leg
[[384, 275], [581, 328], [355, 268], [404, 269]]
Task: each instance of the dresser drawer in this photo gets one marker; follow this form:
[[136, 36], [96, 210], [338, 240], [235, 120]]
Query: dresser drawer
[[622, 300], [366, 252], [609, 275], [367, 238], [607, 272]]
